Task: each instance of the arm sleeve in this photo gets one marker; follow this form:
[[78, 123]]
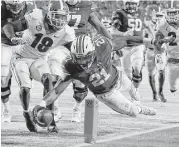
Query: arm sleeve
[[9, 30], [116, 15], [95, 22]]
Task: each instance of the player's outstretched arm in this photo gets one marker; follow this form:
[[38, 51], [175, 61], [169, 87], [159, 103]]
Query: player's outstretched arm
[[95, 22], [52, 95]]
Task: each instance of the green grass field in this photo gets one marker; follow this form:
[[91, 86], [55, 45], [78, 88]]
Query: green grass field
[[114, 129]]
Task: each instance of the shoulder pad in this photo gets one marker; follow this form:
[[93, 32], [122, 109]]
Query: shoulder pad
[[161, 23], [30, 6], [34, 14], [86, 3], [69, 30]]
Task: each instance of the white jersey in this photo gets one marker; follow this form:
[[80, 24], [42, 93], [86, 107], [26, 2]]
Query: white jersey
[[167, 30], [39, 41], [147, 33]]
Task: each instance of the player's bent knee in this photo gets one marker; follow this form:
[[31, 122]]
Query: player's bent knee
[[46, 78], [173, 90], [80, 93], [137, 77], [5, 88], [24, 91], [5, 80]]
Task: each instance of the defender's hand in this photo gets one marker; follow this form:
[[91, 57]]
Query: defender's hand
[[129, 33], [17, 41]]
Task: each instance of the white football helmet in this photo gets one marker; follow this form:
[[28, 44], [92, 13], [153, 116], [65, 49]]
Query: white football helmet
[[157, 16], [83, 51], [15, 6], [131, 6], [72, 2], [106, 22], [57, 14], [172, 15]]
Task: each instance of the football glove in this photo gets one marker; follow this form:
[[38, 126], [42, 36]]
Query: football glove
[[17, 41]]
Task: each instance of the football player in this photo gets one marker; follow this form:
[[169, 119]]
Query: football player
[[155, 59], [130, 21], [96, 71], [81, 13], [10, 39], [47, 29], [168, 31]]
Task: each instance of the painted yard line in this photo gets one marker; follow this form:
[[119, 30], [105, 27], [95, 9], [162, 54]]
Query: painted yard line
[[130, 135]]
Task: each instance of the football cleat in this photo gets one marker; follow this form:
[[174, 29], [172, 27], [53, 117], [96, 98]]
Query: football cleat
[[57, 114], [29, 122], [52, 128], [147, 110], [162, 98], [6, 117], [155, 98]]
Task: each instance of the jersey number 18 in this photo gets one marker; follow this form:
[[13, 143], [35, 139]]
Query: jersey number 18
[[45, 43]]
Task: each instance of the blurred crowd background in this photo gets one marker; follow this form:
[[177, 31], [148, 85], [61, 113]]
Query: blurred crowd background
[[104, 8]]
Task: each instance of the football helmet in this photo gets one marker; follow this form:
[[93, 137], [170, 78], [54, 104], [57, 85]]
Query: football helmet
[[57, 14], [72, 2], [15, 6], [83, 51], [106, 22], [172, 15], [157, 16], [131, 6]]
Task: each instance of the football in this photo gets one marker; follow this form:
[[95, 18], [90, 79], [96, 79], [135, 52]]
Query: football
[[44, 118]]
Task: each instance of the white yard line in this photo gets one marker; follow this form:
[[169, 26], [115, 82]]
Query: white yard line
[[130, 135]]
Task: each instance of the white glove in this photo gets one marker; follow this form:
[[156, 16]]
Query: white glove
[[129, 33], [17, 41]]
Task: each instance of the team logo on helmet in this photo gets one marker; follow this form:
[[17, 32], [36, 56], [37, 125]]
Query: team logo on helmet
[[83, 51], [39, 28]]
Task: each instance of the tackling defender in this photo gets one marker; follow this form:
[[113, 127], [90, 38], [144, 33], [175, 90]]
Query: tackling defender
[[46, 30], [156, 59], [10, 39], [97, 72], [81, 13]]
